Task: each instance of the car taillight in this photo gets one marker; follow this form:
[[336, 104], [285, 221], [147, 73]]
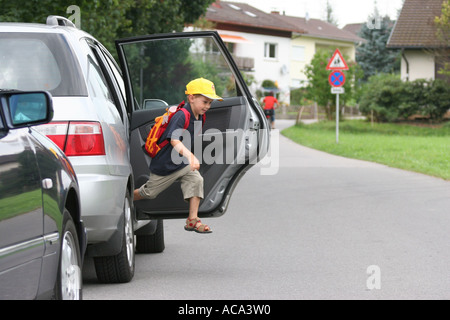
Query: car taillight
[[84, 139], [76, 138], [55, 131]]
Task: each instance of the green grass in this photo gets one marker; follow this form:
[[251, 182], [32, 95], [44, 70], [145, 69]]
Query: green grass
[[25, 202], [420, 149]]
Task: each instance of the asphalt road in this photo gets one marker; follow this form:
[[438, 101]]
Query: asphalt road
[[322, 227]]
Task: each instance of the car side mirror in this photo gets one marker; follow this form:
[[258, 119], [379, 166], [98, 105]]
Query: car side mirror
[[154, 104], [24, 109]]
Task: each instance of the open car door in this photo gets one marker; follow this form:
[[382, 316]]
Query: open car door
[[235, 135]]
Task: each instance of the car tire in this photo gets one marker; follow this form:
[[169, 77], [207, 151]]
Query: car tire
[[120, 268], [151, 243], [69, 280]]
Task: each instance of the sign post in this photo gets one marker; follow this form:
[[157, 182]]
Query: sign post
[[337, 80]]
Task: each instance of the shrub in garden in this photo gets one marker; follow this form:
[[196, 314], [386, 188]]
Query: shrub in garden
[[387, 98], [382, 97], [415, 97], [438, 96]]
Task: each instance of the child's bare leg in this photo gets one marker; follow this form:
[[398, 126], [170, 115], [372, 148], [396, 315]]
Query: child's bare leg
[[194, 203], [136, 195]]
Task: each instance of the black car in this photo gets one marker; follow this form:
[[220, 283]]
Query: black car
[[42, 239]]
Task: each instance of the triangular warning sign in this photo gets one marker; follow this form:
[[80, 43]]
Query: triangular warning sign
[[337, 62]]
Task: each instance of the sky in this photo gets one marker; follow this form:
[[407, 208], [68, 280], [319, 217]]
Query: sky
[[344, 11]]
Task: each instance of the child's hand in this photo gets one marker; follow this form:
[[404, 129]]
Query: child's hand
[[181, 149], [194, 163]]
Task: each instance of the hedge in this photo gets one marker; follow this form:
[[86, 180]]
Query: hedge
[[387, 98]]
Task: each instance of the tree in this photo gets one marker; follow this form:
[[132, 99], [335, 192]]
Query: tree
[[443, 33], [103, 19], [319, 88], [112, 19], [372, 55], [330, 17]]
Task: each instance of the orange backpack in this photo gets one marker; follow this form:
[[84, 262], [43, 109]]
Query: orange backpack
[[151, 145]]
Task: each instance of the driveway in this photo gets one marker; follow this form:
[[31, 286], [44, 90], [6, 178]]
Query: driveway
[[322, 227]]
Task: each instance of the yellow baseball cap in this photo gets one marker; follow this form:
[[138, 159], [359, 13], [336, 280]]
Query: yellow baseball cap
[[204, 87]]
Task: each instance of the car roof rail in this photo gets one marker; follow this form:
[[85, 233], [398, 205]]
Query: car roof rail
[[59, 21]]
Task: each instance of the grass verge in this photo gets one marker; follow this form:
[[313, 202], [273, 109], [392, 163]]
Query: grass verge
[[414, 148]]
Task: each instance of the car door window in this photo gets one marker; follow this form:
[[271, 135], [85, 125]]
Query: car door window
[[161, 69]]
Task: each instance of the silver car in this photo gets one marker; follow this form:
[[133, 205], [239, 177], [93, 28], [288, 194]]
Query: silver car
[[90, 125], [102, 119]]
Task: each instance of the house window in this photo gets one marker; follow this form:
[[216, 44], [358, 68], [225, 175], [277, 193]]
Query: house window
[[230, 47], [270, 50], [298, 53], [211, 47]]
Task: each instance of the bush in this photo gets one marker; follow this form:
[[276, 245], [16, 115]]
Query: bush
[[438, 100], [383, 95], [391, 99], [299, 97], [429, 98], [415, 97]]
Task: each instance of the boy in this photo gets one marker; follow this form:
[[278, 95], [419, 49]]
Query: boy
[[270, 103], [200, 94]]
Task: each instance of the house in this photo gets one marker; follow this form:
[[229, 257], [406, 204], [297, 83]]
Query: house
[[273, 46], [256, 37], [311, 35], [415, 34], [353, 28]]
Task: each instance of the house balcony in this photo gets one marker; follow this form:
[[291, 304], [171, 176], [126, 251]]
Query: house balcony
[[243, 63]]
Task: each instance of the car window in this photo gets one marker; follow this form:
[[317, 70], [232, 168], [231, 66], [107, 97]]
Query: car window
[[160, 69], [1, 123], [117, 74], [35, 61], [97, 82]]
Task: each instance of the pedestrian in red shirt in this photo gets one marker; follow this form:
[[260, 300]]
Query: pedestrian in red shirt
[[270, 103]]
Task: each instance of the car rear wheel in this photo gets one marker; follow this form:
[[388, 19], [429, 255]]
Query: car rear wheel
[[120, 268], [70, 280]]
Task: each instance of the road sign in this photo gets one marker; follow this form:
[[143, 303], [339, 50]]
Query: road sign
[[336, 78], [337, 62], [337, 90]]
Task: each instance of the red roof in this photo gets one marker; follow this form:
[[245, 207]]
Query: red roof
[[242, 14], [245, 18]]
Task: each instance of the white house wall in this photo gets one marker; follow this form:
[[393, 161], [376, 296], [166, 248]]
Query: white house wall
[[277, 70], [311, 45], [421, 65]]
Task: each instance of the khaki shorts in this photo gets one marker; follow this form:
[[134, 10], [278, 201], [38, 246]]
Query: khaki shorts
[[191, 184]]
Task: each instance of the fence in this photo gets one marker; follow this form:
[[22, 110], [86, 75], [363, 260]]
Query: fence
[[312, 112]]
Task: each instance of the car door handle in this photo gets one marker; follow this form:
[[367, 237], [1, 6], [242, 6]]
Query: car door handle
[[47, 184], [254, 125]]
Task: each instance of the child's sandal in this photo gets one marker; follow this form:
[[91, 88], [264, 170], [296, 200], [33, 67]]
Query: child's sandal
[[197, 226]]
